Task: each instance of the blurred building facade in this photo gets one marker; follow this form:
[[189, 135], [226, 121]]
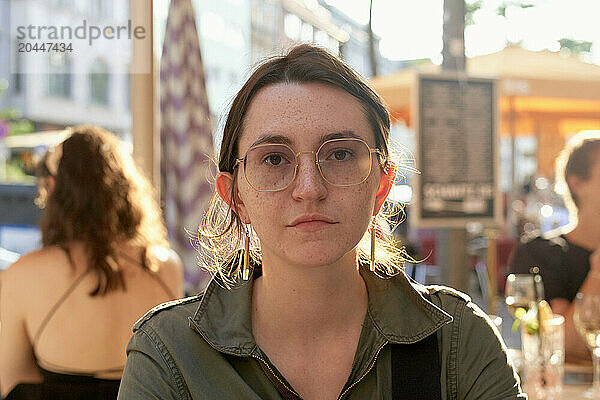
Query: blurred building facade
[[277, 24], [4, 50], [88, 85], [224, 28], [355, 51], [237, 34]]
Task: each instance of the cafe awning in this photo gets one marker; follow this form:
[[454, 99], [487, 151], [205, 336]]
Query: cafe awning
[[548, 95]]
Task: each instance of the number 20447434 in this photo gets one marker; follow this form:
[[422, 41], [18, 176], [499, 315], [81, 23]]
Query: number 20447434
[[27, 47]]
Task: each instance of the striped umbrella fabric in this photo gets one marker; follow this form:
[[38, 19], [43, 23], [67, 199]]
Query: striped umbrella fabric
[[185, 136]]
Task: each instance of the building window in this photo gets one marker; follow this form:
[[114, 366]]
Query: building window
[[65, 3], [18, 76], [106, 9], [59, 75], [99, 81], [306, 35], [334, 46], [100, 9], [292, 26], [321, 38]]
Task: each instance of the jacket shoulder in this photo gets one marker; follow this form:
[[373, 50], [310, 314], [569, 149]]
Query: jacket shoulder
[[187, 302]]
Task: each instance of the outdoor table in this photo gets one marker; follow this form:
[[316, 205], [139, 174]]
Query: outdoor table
[[578, 378], [569, 392]]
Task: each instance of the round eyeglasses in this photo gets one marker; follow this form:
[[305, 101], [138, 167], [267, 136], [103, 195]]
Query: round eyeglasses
[[341, 162]]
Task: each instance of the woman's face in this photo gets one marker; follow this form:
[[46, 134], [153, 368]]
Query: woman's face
[[588, 190], [305, 115]]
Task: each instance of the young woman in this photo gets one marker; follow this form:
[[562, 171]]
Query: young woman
[[67, 309], [308, 309], [569, 257]]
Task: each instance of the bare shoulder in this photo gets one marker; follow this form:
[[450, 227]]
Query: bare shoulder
[[168, 260], [35, 264], [170, 268], [33, 271]]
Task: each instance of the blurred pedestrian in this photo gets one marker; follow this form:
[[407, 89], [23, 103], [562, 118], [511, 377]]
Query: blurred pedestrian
[[569, 257], [318, 308], [67, 310]]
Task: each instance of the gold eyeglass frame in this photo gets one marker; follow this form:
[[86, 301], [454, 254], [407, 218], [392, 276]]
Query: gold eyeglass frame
[[371, 151]]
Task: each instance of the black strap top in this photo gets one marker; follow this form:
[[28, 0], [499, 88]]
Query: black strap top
[[59, 370], [66, 387]]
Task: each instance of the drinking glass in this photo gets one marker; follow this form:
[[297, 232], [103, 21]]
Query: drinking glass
[[521, 292], [544, 357], [587, 322]]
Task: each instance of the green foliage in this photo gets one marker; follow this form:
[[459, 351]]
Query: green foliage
[[9, 113], [518, 43], [470, 9], [418, 61], [21, 127], [575, 46], [16, 174], [16, 125], [507, 4], [3, 85]]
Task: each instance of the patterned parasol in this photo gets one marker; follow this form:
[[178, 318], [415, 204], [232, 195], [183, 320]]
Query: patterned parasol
[[185, 137]]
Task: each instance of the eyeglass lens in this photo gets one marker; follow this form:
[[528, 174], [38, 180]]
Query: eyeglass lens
[[341, 162]]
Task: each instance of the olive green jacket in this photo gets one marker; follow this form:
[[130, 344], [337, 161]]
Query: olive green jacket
[[202, 347]]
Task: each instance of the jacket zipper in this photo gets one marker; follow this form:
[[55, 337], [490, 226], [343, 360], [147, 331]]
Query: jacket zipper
[[275, 375], [286, 386], [365, 374], [197, 329]]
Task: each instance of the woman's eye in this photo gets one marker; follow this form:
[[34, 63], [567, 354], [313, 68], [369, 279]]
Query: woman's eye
[[340, 155], [275, 159]]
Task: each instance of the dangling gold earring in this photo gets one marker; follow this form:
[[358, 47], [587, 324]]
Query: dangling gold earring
[[373, 233], [246, 266]]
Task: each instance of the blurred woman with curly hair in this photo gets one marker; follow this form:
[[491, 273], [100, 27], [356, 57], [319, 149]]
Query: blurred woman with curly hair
[[68, 308]]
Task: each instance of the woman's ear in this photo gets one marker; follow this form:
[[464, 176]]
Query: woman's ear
[[386, 182], [224, 184], [576, 185]]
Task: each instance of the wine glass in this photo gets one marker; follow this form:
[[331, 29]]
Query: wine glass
[[587, 322], [520, 291]]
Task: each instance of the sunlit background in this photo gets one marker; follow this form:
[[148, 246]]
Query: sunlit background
[[552, 40], [413, 29]]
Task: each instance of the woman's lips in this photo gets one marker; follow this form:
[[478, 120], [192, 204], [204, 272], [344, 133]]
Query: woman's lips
[[311, 225], [311, 222]]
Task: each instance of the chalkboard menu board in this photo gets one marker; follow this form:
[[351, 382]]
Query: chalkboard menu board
[[456, 152]]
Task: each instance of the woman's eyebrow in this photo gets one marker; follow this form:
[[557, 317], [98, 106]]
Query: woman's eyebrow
[[340, 135], [281, 139], [278, 139]]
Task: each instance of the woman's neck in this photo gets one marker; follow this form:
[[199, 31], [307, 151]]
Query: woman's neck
[[307, 302]]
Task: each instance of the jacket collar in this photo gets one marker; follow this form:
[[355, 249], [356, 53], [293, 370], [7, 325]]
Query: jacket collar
[[398, 310]]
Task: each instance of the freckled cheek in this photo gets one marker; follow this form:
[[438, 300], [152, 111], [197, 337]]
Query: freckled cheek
[[265, 213], [357, 205]]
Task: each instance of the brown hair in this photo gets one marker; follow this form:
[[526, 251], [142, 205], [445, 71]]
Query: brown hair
[[221, 231], [99, 198], [577, 159]]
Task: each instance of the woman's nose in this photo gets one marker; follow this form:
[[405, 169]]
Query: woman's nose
[[308, 184]]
